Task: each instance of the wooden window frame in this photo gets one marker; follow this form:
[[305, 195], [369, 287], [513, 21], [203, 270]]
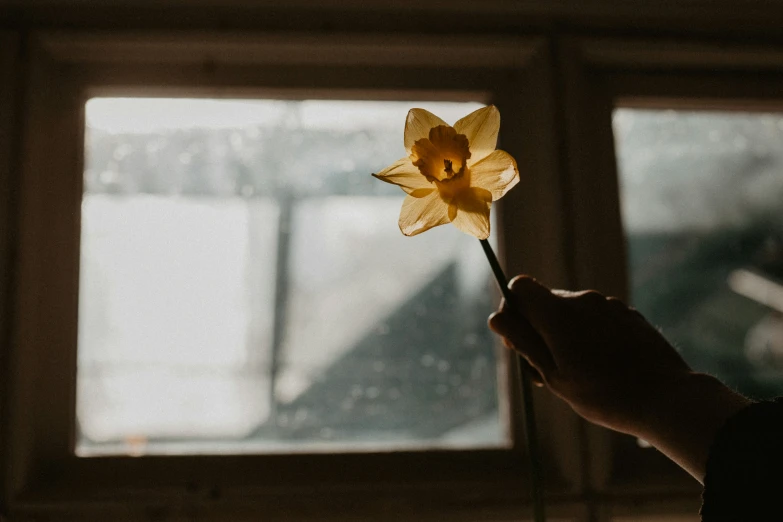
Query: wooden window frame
[[562, 224], [599, 75], [9, 74], [65, 69]]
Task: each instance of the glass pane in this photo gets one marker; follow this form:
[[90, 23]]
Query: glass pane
[[701, 201], [245, 287]]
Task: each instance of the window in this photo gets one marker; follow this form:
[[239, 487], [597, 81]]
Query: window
[[644, 120], [9, 117], [215, 304], [701, 196], [244, 287], [172, 275]]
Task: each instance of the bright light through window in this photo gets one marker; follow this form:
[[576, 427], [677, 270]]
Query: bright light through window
[[245, 288], [701, 200]]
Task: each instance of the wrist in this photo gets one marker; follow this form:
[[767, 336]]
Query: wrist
[[686, 414]]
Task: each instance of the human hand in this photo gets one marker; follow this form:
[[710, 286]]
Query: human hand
[[600, 356], [615, 369]]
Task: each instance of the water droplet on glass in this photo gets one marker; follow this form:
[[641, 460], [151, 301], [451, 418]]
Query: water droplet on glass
[[300, 415], [109, 176], [383, 329], [122, 151], [427, 360], [236, 141]]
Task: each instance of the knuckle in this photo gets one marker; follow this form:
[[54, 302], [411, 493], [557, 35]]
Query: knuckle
[[519, 282], [590, 295], [586, 299], [622, 306], [561, 307], [617, 302]]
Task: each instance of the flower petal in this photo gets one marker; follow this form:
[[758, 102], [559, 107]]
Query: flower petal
[[421, 213], [469, 212], [496, 173], [481, 128], [405, 174], [418, 125]]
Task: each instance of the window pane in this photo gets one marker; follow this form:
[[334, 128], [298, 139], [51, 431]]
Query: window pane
[[701, 200], [245, 287]]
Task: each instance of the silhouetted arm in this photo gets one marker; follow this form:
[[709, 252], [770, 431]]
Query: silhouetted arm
[[616, 370]]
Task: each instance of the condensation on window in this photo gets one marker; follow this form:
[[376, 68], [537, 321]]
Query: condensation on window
[[701, 202], [245, 288]]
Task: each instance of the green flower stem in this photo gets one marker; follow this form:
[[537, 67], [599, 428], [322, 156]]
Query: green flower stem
[[531, 433]]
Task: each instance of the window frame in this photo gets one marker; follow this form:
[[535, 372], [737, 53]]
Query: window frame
[[65, 69], [9, 81], [600, 74]]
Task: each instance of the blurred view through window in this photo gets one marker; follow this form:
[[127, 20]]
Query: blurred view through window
[[702, 202], [245, 287]]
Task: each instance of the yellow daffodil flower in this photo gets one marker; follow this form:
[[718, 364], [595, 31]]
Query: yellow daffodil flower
[[451, 174]]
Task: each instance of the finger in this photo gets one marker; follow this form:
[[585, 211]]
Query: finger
[[617, 302], [583, 300], [512, 326], [527, 366], [537, 303], [521, 337], [535, 375], [620, 306], [584, 296]]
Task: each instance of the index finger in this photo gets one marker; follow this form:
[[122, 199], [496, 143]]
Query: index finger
[[537, 304]]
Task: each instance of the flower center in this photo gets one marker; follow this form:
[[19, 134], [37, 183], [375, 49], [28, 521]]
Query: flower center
[[443, 155]]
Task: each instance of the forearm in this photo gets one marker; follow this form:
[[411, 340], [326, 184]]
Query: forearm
[[684, 417]]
